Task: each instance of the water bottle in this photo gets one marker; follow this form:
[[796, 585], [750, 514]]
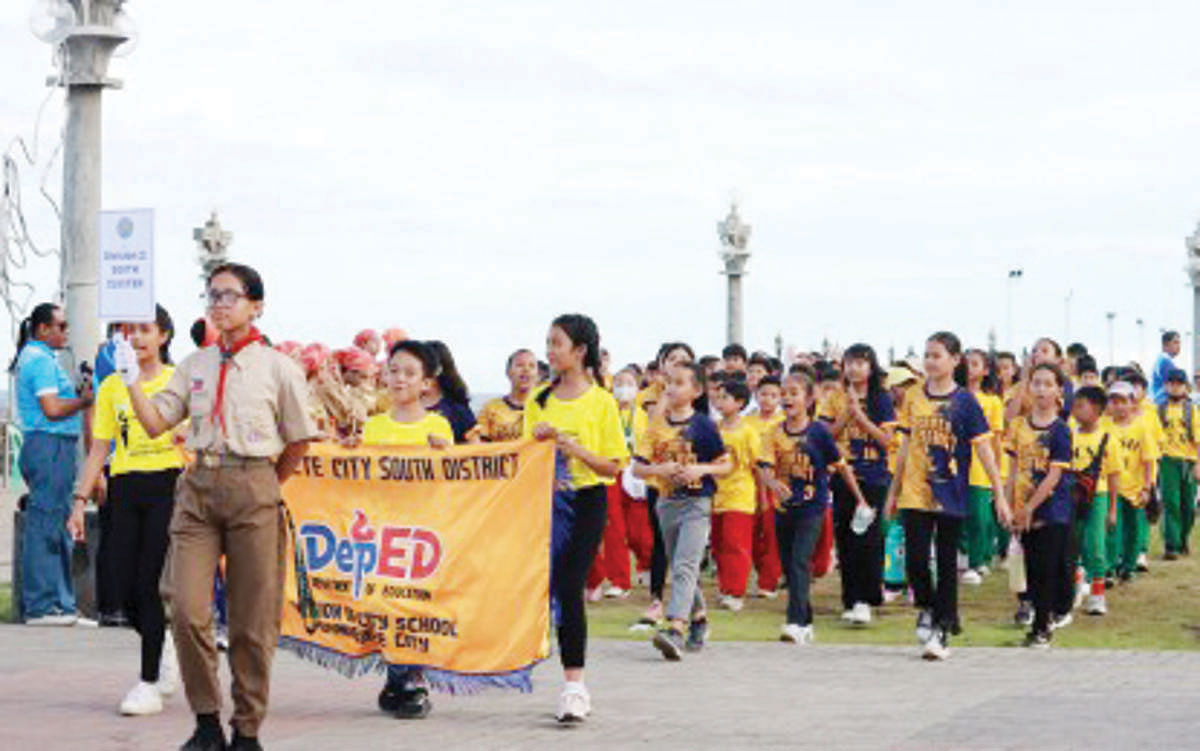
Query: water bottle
[[864, 515]]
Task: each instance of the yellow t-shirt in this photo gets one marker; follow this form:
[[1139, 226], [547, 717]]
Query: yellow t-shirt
[[1085, 447], [592, 419], [499, 420], [1176, 442], [383, 430], [1034, 450], [736, 490], [1137, 448], [993, 411], [764, 424], [115, 421]]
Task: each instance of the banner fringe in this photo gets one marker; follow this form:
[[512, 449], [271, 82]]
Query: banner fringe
[[443, 681]]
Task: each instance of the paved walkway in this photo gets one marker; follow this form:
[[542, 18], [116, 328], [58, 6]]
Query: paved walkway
[[59, 690]]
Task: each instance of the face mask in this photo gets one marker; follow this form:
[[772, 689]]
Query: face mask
[[625, 393]]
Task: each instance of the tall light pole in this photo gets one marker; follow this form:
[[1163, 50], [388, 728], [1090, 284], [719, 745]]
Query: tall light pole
[[1014, 276], [1192, 242], [1112, 343], [1141, 327], [85, 34], [734, 235]]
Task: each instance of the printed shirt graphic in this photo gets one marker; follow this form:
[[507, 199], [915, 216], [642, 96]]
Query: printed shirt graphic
[[941, 432], [115, 421], [500, 420], [1086, 446], [383, 430], [736, 491], [803, 460], [593, 420], [868, 457], [1035, 450], [1176, 442], [695, 440], [1137, 449]]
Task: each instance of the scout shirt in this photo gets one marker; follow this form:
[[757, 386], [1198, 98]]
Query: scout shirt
[[384, 430], [1137, 448], [1035, 450], [867, 456], [1176, 443], [264, 408], [499, 420], [114, 420], [695, 440], [592, 420], [736, 490], [942, 431], [1086, 446], [803, 460]]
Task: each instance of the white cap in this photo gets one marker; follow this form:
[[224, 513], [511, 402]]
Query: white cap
[[1121, 388]]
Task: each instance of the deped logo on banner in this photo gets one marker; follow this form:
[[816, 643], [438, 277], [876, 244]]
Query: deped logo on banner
[[401, 553]]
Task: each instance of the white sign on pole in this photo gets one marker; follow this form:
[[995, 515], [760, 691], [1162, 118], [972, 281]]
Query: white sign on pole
[[127, 265]]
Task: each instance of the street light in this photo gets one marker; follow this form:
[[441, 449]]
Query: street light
[[1141, 325], [1014, 276], [1112, 347], [85, 34]]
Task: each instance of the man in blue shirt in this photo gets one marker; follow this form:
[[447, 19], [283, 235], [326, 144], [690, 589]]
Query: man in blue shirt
[[1165, 364], [50, 414]]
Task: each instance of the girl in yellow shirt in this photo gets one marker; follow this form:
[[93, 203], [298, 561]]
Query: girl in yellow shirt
[[141, 490]]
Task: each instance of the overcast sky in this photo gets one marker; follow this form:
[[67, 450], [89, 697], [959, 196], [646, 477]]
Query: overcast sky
[[469, 173]]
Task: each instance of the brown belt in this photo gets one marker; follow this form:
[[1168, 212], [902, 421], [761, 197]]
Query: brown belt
[[214, 460]]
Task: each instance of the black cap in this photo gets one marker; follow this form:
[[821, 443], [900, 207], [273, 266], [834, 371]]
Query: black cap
[[1175, 375]]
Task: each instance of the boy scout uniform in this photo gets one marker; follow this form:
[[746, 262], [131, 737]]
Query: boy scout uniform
[[228, 502]]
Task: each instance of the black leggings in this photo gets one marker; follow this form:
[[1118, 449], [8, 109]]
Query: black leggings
[[141, 515], [860, 557], [1045, 549], [571, 566], [658, 556], [920, 527]]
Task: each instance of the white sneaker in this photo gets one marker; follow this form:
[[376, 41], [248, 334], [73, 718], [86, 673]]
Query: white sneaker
[[731, 603], [1096, 605], [1082, 591], [769, 594], [848, 615], [1061, 621], [595, 595], [142, 699], [574, 703], [891, 595], [936, 648], [794, 633], [53, 619], [616, 593], [971, 577], [861, 614], [983, 570], [168, 668]]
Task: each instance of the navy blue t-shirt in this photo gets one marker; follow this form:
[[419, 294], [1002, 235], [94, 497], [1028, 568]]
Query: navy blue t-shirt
[[459, 415], [696, 440], [803, 461]]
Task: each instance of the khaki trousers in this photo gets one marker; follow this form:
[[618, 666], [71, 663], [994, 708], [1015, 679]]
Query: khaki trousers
[[234, 511]]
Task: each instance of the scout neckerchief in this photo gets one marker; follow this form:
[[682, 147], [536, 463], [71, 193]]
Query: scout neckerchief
[[227, 355]]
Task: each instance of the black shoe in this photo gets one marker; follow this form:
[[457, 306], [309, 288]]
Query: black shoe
[[697, 635], [205, 738], [242, 743], [1037, 640], [1024, 614], [390, 697], [115, 619], [670, 643], [1170, 555], [414, 704]]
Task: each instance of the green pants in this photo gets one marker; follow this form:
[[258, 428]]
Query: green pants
[[1178, 486], [1122, 543], [1091, 531], [979, 536]]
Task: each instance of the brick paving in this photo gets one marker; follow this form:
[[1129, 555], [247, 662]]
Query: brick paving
[[59, 689]]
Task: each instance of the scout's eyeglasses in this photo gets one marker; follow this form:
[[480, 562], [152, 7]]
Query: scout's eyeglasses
[[224, 298]]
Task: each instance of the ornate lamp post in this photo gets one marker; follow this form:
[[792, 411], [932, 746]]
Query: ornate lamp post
[[213, 241], [734, 235], [1193, 270]]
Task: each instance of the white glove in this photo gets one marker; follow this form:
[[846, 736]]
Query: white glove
[[125, 359]]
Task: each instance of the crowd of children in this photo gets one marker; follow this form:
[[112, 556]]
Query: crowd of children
[[918, 477]]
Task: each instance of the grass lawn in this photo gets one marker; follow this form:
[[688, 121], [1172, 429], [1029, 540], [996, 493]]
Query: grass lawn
[[1159, 610]]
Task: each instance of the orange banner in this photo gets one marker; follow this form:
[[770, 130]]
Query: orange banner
[[424, 557]]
